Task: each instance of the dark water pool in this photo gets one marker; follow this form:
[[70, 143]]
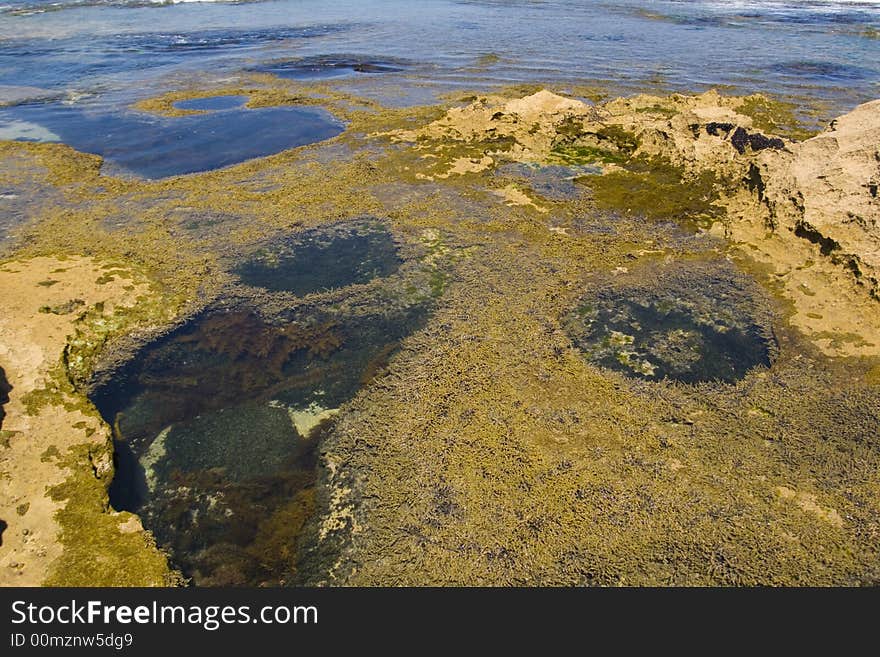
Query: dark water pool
[[4, 394], [331, 66], [323, 259], [216, 428], [688, 325], [216, 425], [158, 147]]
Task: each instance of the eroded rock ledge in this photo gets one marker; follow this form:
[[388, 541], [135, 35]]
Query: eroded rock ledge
[[56, 457]]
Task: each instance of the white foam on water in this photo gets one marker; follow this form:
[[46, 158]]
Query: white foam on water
[[26, 131]]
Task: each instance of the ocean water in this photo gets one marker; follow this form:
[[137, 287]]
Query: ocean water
[[106, 51], [70, 70]]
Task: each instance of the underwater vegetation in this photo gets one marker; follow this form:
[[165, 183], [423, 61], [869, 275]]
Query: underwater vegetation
[[216, 425], [316, 260], [699, 322]]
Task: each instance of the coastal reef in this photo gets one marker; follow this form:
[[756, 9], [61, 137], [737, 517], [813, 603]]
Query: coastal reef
[[512, 338]]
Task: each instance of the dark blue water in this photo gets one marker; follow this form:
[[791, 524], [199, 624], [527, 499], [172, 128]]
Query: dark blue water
[[156, 147], [331, 66]]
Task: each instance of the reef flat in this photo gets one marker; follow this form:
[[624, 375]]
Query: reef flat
[[648, 346]]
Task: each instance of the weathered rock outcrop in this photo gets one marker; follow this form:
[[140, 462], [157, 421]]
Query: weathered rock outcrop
[[807, 210], [56, 455], [825, 191]]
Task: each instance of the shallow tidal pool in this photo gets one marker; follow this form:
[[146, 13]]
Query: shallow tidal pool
[[153, 146], [696, 322], [216, 425]]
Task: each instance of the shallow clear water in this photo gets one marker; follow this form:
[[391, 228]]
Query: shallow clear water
[[216, 425], [72, 69], [211, 103], [155, 146], [317, 260]]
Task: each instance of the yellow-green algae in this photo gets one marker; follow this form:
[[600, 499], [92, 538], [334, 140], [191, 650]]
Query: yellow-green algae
[[777, 117], [97, 551], [656, 189], [488, 451]]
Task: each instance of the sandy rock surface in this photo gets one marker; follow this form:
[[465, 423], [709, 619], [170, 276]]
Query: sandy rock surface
[[41, 300]]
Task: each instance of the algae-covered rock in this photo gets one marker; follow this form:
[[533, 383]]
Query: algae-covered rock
[[57, 454]]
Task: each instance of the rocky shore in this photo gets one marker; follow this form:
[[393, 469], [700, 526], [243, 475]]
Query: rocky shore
[[490, 448]]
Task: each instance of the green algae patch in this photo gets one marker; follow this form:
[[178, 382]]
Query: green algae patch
[[775, 117], [63, 164], [575, 154], [534, 468], [57, 389], [97, 328], [98, 548], [658, 190], [609, 144]]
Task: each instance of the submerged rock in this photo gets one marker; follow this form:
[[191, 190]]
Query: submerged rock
[[687, 322]]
